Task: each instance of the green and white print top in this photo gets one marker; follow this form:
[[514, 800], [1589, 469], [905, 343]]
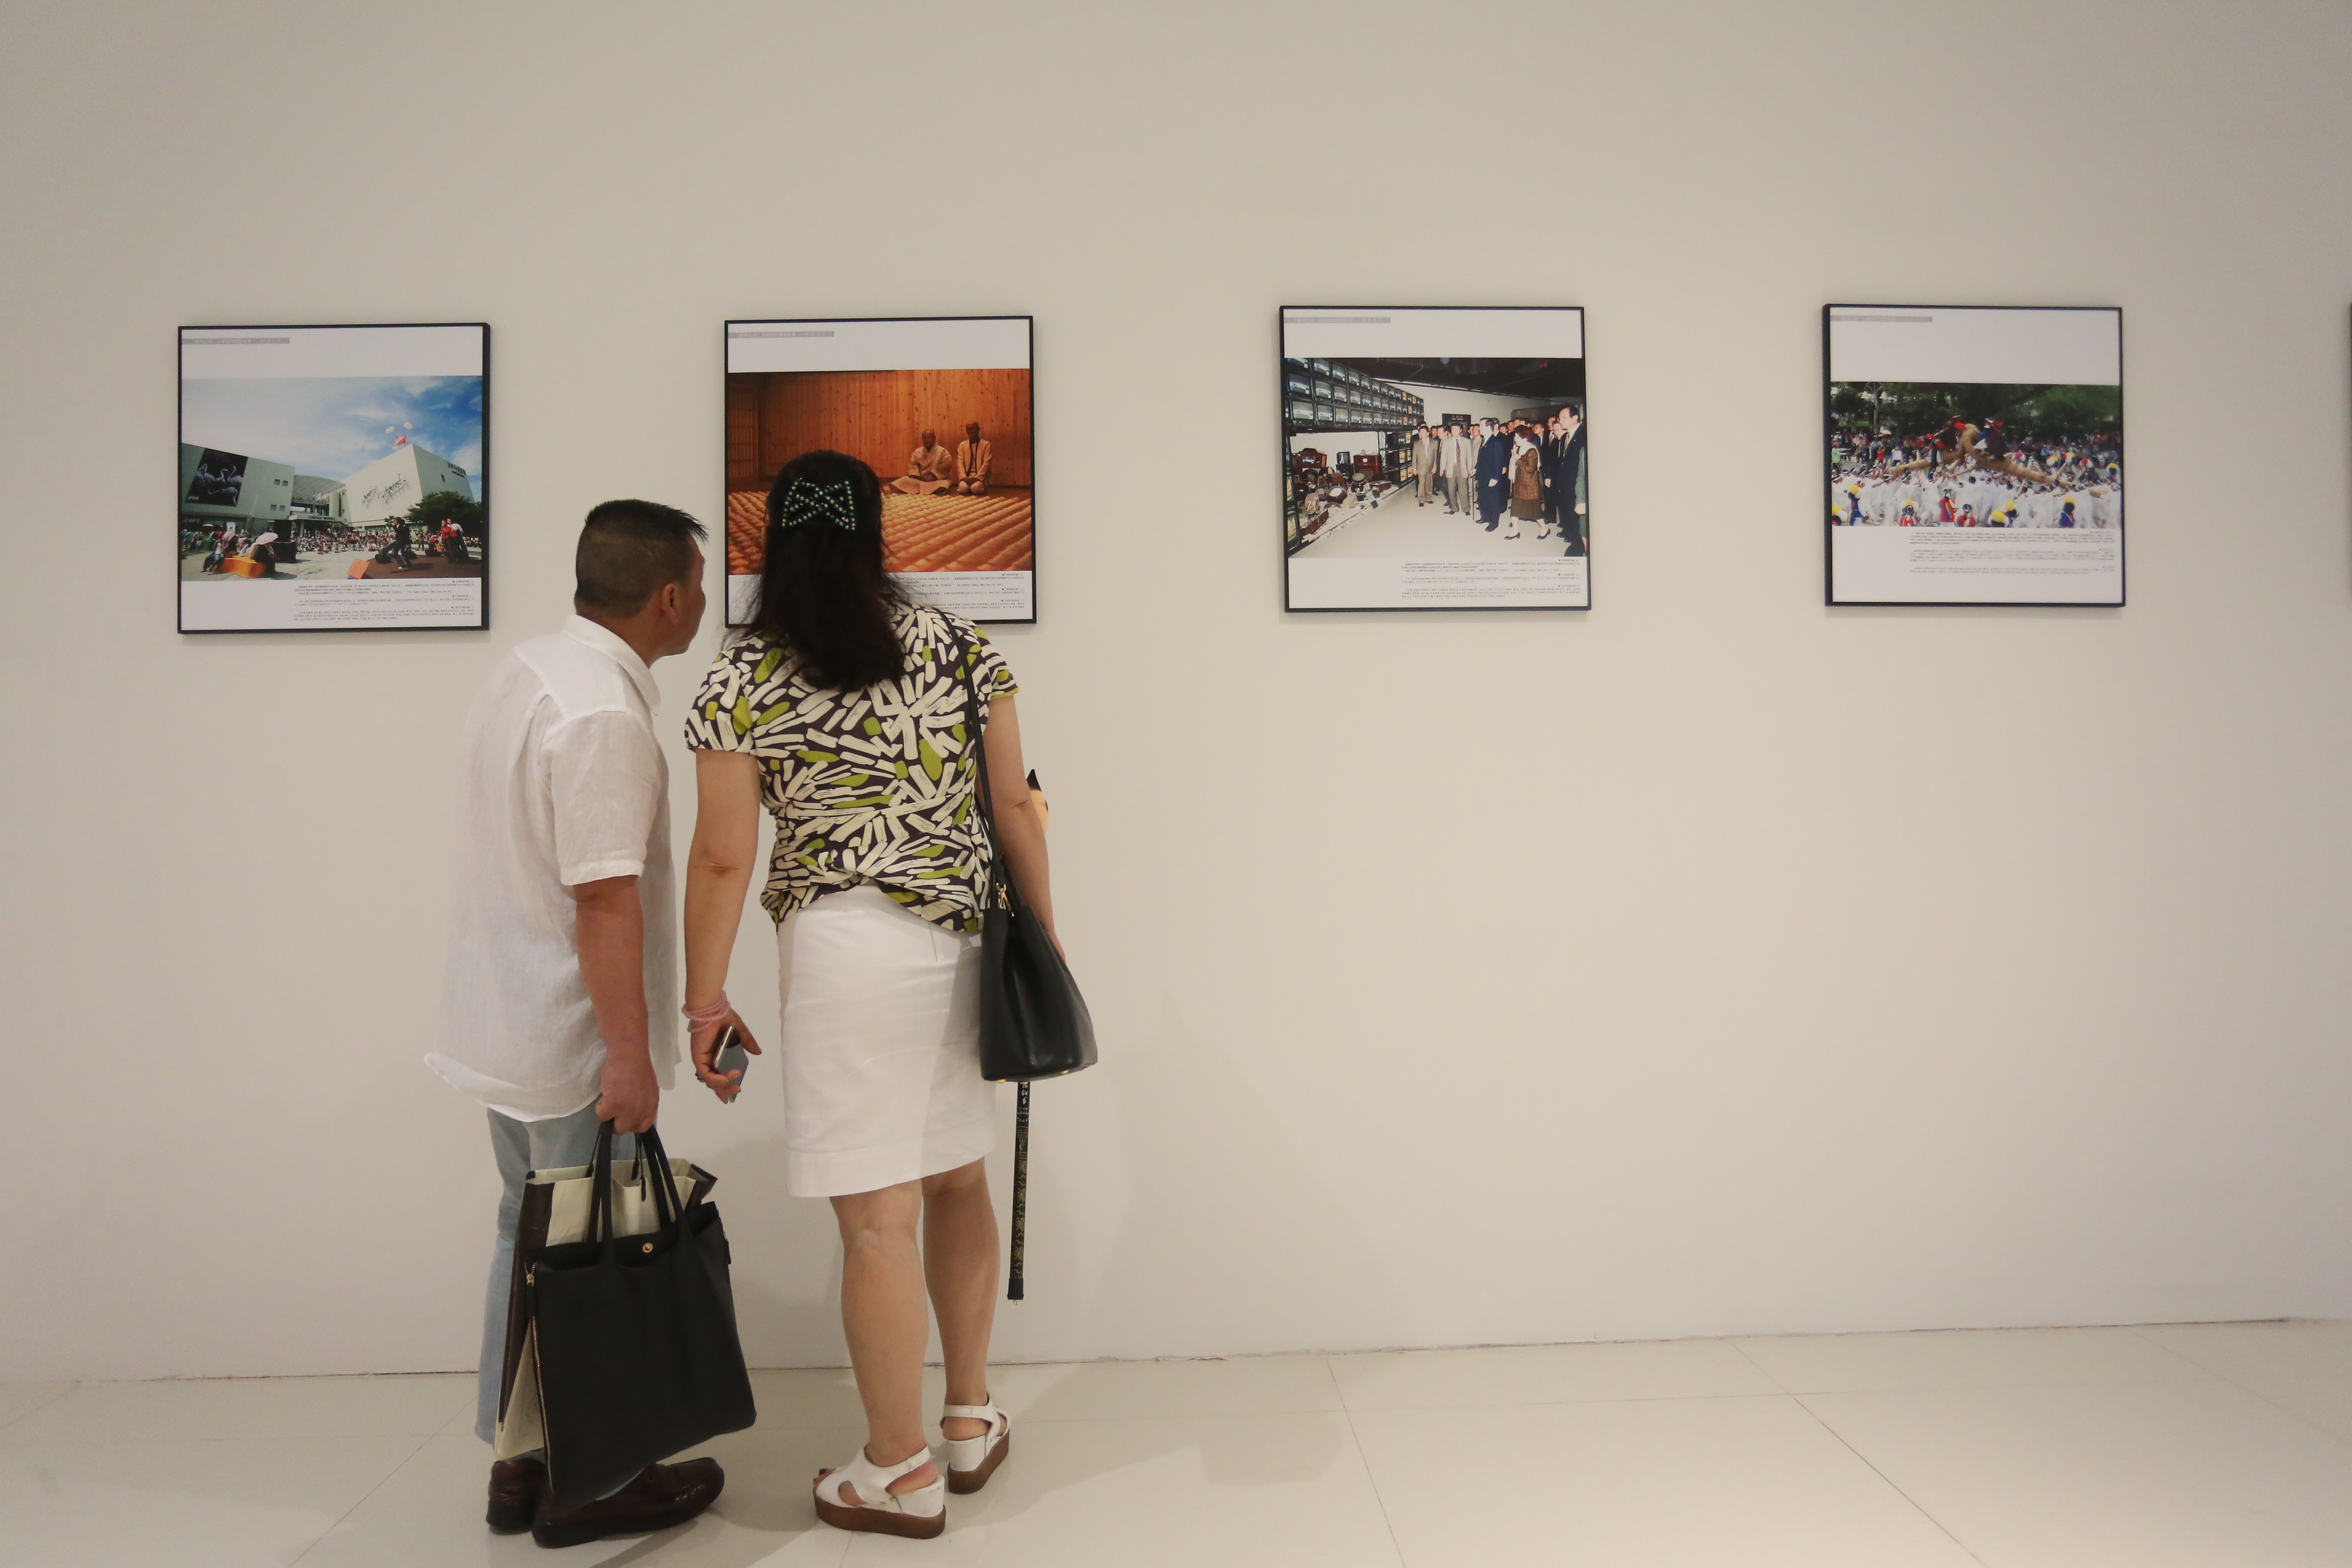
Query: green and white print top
[[875, 785]]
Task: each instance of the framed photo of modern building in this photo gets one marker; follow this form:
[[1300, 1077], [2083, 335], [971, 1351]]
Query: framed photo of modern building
[[1434, 459], [334, 479], [1975, 455], [939, 406]]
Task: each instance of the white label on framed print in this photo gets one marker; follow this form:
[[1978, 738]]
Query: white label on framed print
[[938, 406], [334, 479], [1434, 459], [1975, 455]]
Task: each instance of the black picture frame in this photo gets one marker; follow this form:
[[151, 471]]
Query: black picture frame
[[1029, 329], [1829, 472], [179, 401], [1323, 367]]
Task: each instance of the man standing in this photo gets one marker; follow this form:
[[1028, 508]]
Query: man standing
[[1425, 465], [1458, 460], [560, 998], [930, 472], [1564, 473], [1493, 457], [972, 459]]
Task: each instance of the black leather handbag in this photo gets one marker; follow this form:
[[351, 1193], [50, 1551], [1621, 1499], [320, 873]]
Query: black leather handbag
[[1033, 1023], [638, 1357]]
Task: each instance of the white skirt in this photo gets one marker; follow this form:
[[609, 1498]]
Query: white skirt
[[881, 1047]]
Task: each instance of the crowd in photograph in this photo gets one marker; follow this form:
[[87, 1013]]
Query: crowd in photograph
[[1507, 472], [400, 541], [1977, 475], [1501, 474]]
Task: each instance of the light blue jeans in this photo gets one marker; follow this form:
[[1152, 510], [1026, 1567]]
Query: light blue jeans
[[522, 1147]]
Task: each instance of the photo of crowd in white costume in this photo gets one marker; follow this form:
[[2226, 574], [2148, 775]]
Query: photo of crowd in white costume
[[1971, 442]]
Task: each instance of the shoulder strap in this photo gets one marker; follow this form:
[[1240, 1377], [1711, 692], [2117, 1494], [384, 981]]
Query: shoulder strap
[[975, 727]]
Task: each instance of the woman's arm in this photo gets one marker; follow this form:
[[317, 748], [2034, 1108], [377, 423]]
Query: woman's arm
[[718, 873], [1020, 837]]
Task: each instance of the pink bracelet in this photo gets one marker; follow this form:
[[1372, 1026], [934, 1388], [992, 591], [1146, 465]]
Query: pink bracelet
[[711, 1012]]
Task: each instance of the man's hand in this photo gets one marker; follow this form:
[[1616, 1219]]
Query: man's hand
[[630, 1097]]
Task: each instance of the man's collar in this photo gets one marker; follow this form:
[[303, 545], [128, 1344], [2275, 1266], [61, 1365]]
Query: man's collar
[[608, 642]]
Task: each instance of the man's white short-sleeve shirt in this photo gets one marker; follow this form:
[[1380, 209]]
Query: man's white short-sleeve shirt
[[563, 781]]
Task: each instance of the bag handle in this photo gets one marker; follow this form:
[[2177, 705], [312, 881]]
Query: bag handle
[[998, 879], [667, 1207], [600, 1186]]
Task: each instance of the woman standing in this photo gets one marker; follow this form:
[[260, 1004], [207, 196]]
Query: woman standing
[[1527, 481], [844, 710]]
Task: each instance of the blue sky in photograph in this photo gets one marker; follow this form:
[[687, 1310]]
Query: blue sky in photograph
[[335, 426]]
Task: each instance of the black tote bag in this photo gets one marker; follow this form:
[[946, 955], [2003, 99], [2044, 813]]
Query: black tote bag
[[638, 1357], [1033, 1023]]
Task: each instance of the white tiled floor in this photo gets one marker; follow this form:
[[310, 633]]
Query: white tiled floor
[[2221, 1445]]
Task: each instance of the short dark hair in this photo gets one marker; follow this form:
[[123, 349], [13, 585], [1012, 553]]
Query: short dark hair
[[628, 550]]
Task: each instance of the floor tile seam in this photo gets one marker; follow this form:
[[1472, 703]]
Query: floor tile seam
[[2283, 1408], [382, 1481], [22, 1446], [2147, 1336], [1991, 1384], [2232, 1380], [1762, 1369], [1372, 1479], [1563, 1403], [33, 1409], [1872, 1465], [1182, 1415]]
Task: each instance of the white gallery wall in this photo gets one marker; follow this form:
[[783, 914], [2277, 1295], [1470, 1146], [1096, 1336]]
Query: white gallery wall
[[1711, 961]]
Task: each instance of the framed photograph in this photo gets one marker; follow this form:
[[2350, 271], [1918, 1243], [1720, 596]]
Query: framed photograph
[[1434, 459], [1975, 455], [939, 406], [334, 479]]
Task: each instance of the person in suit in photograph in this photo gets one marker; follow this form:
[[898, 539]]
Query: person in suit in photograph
[[1449, 466], [1424, 464], [1494, 460], [1564, 477]]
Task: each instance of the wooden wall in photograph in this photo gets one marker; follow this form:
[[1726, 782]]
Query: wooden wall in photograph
[[879, 416]]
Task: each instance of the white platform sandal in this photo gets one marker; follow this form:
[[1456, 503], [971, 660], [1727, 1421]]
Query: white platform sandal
[[972, 1460], [922, 1512]]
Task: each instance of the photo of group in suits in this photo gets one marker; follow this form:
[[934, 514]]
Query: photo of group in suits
[[939, 407], [1435, 459]]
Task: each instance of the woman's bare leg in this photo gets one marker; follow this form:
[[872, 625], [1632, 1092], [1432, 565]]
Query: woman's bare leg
[[882, 1311], [959, 1262]]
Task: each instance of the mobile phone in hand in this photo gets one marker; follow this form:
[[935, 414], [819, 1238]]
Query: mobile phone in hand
[[731, 1056]]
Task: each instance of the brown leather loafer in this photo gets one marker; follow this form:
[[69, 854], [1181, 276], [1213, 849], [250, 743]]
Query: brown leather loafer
[[515, 1486], [661, 1496]]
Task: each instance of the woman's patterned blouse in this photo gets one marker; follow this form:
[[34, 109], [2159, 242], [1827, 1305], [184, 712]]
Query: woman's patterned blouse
[[873, 785]]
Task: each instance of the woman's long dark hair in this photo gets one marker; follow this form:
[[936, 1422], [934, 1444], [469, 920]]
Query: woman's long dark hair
[[822, 593]]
